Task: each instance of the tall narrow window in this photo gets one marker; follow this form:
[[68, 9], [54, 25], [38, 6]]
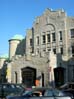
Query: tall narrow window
[[53, 37], [61, 50], [73, 71], [48, 38], [60, 33], [73, 51], [37, 40], [54, 50], [44, 40], [72, 33], [30, 42], [15, 76]]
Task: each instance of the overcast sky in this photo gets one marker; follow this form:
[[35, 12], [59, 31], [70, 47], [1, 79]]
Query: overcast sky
[[18, 15]]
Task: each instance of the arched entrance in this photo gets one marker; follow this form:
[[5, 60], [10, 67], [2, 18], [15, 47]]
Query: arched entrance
[[28, 76], [59, 76]]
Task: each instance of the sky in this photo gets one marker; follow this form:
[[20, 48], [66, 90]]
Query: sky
[[16, 16]]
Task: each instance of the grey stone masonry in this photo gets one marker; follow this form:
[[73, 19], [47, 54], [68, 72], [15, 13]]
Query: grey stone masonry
[[49, 43]]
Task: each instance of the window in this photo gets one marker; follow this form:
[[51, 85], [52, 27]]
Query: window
[[37, 51], [49, 49], [30, 42], [60, 33], [48, 38], [54, 50], [48, 93], [73, 71], [44, 40], [72, 33], [37, 40], [61, 50], [53, 37], [73, 51]]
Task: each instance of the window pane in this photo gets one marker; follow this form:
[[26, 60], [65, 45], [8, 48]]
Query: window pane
[[58, 93], [61, 50], [48, 37], [44, 38], [37, 40], [53, 37], [72, 33], [30, 42], [48, 93], [73, 51], [54, 50], [60, 35]]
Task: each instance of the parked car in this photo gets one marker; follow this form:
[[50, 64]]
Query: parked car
[[68, 85], [46, 93], [10, 88], [68, 88]]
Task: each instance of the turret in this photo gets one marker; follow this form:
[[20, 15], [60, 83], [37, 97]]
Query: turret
[[2, 60], [13, 44]]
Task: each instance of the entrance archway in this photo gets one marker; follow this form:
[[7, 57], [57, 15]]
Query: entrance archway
[[28, 76], [59, 76]]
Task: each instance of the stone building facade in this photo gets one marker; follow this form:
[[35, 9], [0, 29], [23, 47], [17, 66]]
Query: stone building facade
[[46, 53]]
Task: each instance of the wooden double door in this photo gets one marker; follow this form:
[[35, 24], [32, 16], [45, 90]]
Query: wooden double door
[[28, 76]]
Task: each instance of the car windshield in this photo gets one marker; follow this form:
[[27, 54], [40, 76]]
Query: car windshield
[[27, 92], [45, 92], [54, 93]]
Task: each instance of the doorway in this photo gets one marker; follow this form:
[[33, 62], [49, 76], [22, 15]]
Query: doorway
[[28, 76], [59, 76]]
